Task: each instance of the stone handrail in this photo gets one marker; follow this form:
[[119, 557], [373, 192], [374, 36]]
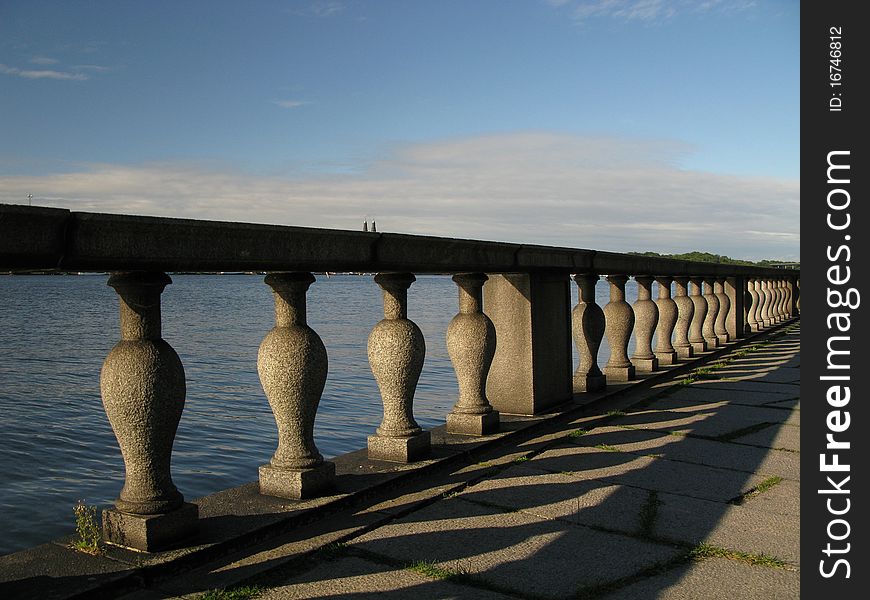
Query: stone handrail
[[510, 342]]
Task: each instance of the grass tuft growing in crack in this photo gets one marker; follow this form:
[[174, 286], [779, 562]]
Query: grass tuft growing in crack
[[430, 569], [758, 489], [648, 513], [237, 593], [702, 551]]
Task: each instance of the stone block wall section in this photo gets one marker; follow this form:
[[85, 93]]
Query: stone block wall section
[[510, 342]]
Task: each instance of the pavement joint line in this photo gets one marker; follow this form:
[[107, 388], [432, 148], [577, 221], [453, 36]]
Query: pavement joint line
[[756, 490]]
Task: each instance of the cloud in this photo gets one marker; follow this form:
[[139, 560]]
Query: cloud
[[41, 74], [290, 103], [43, 60], [607, 193], [649, 11], [319, 9]]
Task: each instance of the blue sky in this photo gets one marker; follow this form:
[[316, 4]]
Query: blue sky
[[669, 125]]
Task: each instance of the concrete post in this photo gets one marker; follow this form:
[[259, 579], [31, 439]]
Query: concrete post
[[587, 324], [724, 307], [667, 308], [709, 326], [292, 365], [646, 315], [471, 345], [696, 336], [396, 351], [754, 314], [735, 321], [619, 321], [143, 389], [532, 369], [685, 314]]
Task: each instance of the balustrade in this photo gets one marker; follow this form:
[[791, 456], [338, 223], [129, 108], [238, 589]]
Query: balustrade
[[528, 320]]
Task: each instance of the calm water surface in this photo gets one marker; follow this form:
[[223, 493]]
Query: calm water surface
[[56, 444]]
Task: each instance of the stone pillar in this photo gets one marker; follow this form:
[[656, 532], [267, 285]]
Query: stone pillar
[[685, 314], [780, 305], [667, 308], [471, 346], [533, 366], [396, 351], [619, 321], [143, 389], [790, 298], [775, 299], [735, 321], [766, 302], [646, 315], [724, 307], [696, 336], [587, 324], [754, 313], [292, 365], [708, 329]]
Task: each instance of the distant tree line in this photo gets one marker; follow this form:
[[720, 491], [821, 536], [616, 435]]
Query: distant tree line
[[716, 258]]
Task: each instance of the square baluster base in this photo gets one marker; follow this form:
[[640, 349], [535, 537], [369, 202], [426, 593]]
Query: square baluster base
[[666, 358], [465, 424], [685, 351], [698, 347], [297, 484], [712, 342], [619, 373], [724, 338], [151, 533], [645, 365], [399, 449], [590, 383]]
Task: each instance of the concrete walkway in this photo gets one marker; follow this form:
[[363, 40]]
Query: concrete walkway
[[689, 490]]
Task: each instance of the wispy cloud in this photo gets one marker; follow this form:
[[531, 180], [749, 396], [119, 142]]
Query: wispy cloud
[[319, 9], [607, 193], [42, 74], [290, 103], [649, 11], [43, 60]]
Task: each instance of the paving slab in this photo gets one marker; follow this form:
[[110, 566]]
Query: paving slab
[[783, 498], [724, 409], [764, 387], [707, 420], [562, 496], [513, 550], [712, 453], [787, 437], [649, 473], [768, 374], [361, 579], [693, 521], [712, 394], [715, 579]]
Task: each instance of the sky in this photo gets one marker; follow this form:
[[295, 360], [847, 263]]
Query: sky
[[619, 125]]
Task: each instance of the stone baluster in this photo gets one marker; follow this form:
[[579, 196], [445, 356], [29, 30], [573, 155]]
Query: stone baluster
[[587, 325], [774, 301], [396, 351], [783, 293], [143, 389], [619, 321], [667, 308], [685, 312], [755, 304], [471, 346], [696, 336], [646, 315], [724, 306], [708, 329], [797, 291], [789, 298], [292, 365], [767, 300]]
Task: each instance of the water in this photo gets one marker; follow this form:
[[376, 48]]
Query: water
[[55, 331]]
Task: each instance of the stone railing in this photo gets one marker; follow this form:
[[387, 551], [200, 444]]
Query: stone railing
[[510, 342]]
